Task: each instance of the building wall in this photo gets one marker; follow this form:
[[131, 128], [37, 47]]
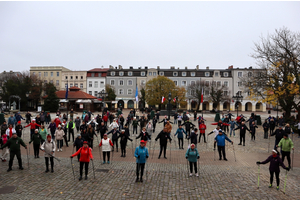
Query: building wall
[[74, 78], [95, 85]]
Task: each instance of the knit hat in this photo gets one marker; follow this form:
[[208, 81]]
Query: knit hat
[[14, 133], [85, 142], [192, 145], [33, 120], [62, 124], [220, 130], [105, 134], [36, 130], [122, 130], [59, 126], [78, 135], [285, 134], [48, 136], [274, 151], [142, 141]]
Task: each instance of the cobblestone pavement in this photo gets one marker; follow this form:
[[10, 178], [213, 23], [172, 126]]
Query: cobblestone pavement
[[164, 178]]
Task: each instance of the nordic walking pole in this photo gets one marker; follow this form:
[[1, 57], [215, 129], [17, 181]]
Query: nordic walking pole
[[73, 150], [199, 164], [293, 158], [285, 182], [258, 177], [93, 168], [269, 144], [132, 148], [27, 158], [72, 168], [170, 150], [214, 154], [187, 165], [153, 150], [146, 169], [234, 153]]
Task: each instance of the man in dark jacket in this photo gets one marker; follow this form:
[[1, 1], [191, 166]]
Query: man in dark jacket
[[135, 124], [52, 127], [114, 138], [278, 135], [163, 137], [102, 129], [194, 136], [243, 129], [83, 126], [78, 144], [123, 142], [19, 129], [14, 146], [266, 127], [188, 126]]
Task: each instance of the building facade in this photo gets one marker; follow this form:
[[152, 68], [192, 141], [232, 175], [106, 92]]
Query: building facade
[[96, 80], [74, 79]]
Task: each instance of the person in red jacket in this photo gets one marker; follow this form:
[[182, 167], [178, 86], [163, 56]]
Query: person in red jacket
[[105, 119], [33, 125], [57, 121], [202, 128], [85, 156]]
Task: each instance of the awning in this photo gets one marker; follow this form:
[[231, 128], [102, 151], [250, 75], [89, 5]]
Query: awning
[[63, 101], [97, 101], [83, 101]]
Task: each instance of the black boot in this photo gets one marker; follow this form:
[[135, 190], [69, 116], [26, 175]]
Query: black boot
[[9, 169], [137, 179], [141, 179], [85, 177], [47, 170], [80, 178]]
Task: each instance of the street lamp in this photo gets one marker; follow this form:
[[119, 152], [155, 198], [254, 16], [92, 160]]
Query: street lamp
[[237, 98], [169, 105], [102, 95]]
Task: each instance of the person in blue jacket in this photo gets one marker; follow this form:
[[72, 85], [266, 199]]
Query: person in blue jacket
[[192, 155], [220, 140], [141, 154], [180, 132]]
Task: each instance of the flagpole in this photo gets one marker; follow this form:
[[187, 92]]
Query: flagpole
[[67, 93]]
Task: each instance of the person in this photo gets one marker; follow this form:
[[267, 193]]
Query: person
[[11, 120], [253, 130], [232, 124], [77, 123], [14, 146], [275, 162], [106, 148], [33, 125], [202, 128], [85, 156], [243, 129], [288, 130], [48, 118], [4, 128], [141, 153], [78, 144], [149, 128], [195, 115], [179, 119], [278, 135], [64, 128], [266, 127], [114, 124], [220, 140], [42, 116], [71, 115], [286, 145], [154, 122], [10, 131], [163, 137], [48, 147], [272, 126], [123, 142], [5, 151], [115, 137], [180, 132], [216, 132], [103, 129], [144, 136], [43, 132], [168, 126], [230, 115], [57, 121], [19, 129], [188, 125], [192, 155], [226, 120], [28, 117], [194, 136], [59, 136], [71, 127], [91, 132], [135, 124], [36, 139]]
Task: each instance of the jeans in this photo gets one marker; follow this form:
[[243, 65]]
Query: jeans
[[175, 121], [222, 149], [191, 166], [232, 130], [59, 144]]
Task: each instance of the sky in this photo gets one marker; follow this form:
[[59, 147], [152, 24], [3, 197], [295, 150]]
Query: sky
[[87, 35]]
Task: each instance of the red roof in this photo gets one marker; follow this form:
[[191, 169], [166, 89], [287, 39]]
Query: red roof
[[99, 70], [73, 94]]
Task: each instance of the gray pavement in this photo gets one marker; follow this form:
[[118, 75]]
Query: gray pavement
[[164, 179]]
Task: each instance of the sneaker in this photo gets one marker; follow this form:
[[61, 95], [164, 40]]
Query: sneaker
[[52, 170], [270, 185], [57, 149], [220, 158], [197, 174], [165, 157], [239, 144], [85, 178], [107, 162], [60, 149], [9, 169], [277, 188], [137, 180], [80, 178], [37, 157], [103, 162]]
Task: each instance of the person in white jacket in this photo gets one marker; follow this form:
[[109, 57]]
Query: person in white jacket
[[49, 148], [216, 131], [149, 128], [106, 147], [114, 124], [59, 136], [10, 131]]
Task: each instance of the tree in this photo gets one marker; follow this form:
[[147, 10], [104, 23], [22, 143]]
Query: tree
[[277, 79], [195, 91], [111, 94], [160, 87], [142, 96], [51, 102], [217, 93]]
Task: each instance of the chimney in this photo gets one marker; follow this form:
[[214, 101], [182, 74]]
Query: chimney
[[172, 67], [250, 67], [158, 67], [102, 67], [146, 67], [207, 67], [230, 67], [130, 67], [111, 67], [120, 66], [197, 67], [186, 68]]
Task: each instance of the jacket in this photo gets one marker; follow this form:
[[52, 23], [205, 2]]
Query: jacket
[[192, 155], [106, 144], [43, 133], [193, 137], [243, 129], [124, 138], [141, 154], [78, 143], [272, 125], [70, 125], [52, 127], [232, 124], [9, 132], [36, 138], [114, 133], [163, 137], [274, 163], [253, 129], [188, 125], [19, 129], [12, 120], [59, 134], [85, 154], [180, 132], [278, 135], [77, 122], [220, 139], [135, 123], [169, 127], [14, 144], [33, 125], [144, 136], [286, 144], [266, 126], [202, 128], [48, 147]]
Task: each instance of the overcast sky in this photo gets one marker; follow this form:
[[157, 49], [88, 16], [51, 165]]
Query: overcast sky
[[86, 35]]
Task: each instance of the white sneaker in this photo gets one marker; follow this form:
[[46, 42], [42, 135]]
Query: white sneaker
[[197, 174], [191, 174], [60, 149], [57, 149]]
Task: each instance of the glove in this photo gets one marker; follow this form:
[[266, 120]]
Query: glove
[[155, 139], [198, 157], [288, 169], [138, 156], [29, 142], [186, 157], [71, 156], [147, 156], [258, 163]]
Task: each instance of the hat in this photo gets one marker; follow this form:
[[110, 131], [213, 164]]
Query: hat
[[14, 132], [280, 127], [220, 130], [122, 130], [142, 141], [19, 122], [62, 124], [285, 134], [36, 130], [59, 126], [85, 142], [192, 145], [105, 134], [78, 135], [33, 120], [274, 151], [48, 136]]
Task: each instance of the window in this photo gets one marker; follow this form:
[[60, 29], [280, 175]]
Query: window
[[218, 83], [57, 73], [183, 73], [95, 93], [95, 84], [161, 73], [112, 73], [183, 83], [121, 73], [225, 74], [33, 73], [76, 77], [101, 84], [240, 74], [51, 74], [249, 93], [216, 73], [76, 84], [81, 77], [249, 74], [121, 82], [206, 73], [225, 93], [257, 106], [175, 83], [240, 84], [129, 82], [45, 81], [193, 82], [206, 92], [129, 73], [66, 85], [129, 91], [207, 83], [71, 77], [90, 84], [57, 82], [121, 91], [99, 74], [226, 83], [81, 85], [150, 73], [175, 74], [71, 84], [239, 93], [92, 74], [90, 93], [112, 82], [143, 82], [192, 73], [143, 73], [154, 73], [214, 83], [51, 81], [66, 77], [192, 92], [45, 73], [40, 74]]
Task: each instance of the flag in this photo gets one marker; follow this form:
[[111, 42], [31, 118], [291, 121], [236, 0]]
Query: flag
[[136, 94], [202, 96], [174, 99], [163, 99], [67, 91]]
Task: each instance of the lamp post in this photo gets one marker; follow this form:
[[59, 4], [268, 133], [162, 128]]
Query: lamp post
[[169, 105], [237, 98], [27, 95]]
